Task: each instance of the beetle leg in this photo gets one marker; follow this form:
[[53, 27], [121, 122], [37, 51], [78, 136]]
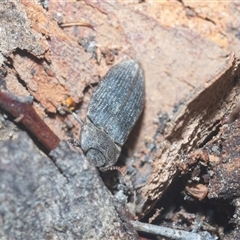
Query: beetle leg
[[74, 142]]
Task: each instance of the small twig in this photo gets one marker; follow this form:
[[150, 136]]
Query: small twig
[[21, 108], [165, 232], [82, 24]]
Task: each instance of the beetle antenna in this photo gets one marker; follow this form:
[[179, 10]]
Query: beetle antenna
[[77, 118], [90, 85]]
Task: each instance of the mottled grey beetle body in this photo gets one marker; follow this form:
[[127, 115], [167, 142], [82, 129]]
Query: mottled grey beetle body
[[112, 112]]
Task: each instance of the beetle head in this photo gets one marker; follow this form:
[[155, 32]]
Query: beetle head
[[98, 146], [96, 156]]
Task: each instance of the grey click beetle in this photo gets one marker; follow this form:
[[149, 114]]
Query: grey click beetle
[[112, 112]]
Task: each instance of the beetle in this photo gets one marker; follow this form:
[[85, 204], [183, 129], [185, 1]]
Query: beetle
[[112, 112]]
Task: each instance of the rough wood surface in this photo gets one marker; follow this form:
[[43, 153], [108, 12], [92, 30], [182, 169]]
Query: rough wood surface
[[60, 199], [213, 173], [191, 127], [179, 49]]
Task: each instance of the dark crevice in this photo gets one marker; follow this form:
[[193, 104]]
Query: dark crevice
[[195, 13], [211, 135], [217, 213]]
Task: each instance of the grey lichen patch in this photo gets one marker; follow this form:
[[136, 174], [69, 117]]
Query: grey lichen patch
[[60, 199], [16, 32]]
